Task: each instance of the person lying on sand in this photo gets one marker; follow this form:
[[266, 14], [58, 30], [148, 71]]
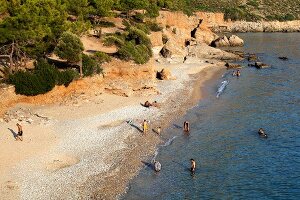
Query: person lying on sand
[[19, 136], [147, 104], [155, 104]]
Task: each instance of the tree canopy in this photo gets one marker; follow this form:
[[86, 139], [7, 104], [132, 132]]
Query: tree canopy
[[69, 47]]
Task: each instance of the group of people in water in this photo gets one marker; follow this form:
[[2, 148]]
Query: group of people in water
[[236, 73], [186, 129]]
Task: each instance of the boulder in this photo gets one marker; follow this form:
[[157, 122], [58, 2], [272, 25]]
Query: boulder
[[164, 74], [283, 58], [252, 57], [232, 66], [173, 49], [220, 42], [260, 65], [235, 41], [166, 53]]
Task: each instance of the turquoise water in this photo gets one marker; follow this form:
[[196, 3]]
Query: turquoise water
[[233, 162]]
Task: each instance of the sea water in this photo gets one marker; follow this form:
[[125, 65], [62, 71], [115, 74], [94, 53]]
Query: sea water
[[233, 162]]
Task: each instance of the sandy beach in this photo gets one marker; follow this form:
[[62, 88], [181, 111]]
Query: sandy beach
[[89, 151]]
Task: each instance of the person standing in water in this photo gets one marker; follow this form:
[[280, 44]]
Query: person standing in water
[[19, 136], [186, 126], [238, 73], [157, 166], [193, 165]]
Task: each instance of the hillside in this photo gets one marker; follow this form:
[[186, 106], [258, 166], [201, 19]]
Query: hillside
[[249, 10]]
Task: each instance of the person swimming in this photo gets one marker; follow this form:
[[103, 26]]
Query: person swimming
[[262, 133]]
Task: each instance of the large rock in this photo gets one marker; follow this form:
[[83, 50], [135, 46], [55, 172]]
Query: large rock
[[225, 42], [235, 41], [203, 51], [173, 50], [165, 52], [164, 74], [232, 66], [260, 65], [221, 42]]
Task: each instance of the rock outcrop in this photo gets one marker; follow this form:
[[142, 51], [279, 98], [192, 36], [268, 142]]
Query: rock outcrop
[[259, 65], [232, 66], [233, 41], [164, 74], [260, 26]]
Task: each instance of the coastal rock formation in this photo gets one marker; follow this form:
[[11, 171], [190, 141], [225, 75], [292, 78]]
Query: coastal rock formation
[[260, 26], [221, 42], [232, 66], [205, 51], [259, 65], [252, 57], [231, 41], [235, 41], [164, 74]]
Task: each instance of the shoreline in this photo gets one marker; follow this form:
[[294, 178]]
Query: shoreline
[[71, 159]]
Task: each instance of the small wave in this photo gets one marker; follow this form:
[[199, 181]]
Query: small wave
[[169, 142], [222, 88], [154, 157]]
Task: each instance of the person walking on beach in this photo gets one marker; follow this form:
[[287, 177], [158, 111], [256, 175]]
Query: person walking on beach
[[193, 165], [19, 136], [186, 126], [145, 126]]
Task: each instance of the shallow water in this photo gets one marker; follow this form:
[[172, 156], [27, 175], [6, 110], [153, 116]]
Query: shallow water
[[233, 162]]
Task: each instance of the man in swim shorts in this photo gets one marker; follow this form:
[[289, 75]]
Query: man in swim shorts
[[20, 132], [186, 126]]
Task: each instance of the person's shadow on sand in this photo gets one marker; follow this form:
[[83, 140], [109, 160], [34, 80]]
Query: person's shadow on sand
[[135, 126], [13, 132]]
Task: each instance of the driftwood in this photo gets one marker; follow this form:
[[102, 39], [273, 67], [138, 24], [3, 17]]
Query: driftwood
[[12, 57]]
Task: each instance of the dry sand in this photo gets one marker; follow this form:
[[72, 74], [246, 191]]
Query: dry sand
[[90, 151]]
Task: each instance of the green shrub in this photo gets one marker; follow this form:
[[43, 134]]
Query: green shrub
[[143, 27], [102, 57], [114, 40], [152, 10], [41, 80], [138, 17], [154, 26], [105, 24], [139, 53], [253, 3], [133, 45], [66, 77], [90, 66]]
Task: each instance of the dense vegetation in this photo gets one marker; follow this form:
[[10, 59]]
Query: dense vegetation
[[41, 80]]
